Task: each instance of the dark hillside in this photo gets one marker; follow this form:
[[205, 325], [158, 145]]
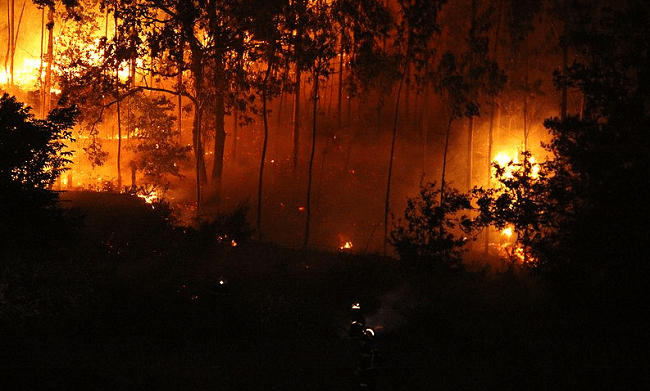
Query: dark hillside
[[143, 315]]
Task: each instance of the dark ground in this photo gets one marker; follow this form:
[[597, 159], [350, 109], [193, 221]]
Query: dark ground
[[127, 306]]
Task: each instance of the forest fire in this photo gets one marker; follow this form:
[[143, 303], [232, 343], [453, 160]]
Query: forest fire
[[149, 197], [472, 171], [510, 162], [24, 75], [141, 112]]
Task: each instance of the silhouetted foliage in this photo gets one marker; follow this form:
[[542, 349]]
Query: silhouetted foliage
[[33, 228], [32, 153], [601, 157], [430, 236], [32, 156]]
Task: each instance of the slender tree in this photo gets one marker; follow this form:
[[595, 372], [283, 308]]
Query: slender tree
[[319, 47], [416, 27]]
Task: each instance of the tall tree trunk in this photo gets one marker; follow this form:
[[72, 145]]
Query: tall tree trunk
[[493, 111], [220, 126], [425, 127], [10, 44], [311, 160], [444, 173], [300, 10], [47, 88], [40, 66], [219, 142], [198, 155], [296, 122], [15, 37], [489, 169], [526, 96], [119, 130], [473, 96], [197, 124], [119, 119], [180, 106], [264, 146], [235, 135], [390, 162], [340, 90], [470, 151]]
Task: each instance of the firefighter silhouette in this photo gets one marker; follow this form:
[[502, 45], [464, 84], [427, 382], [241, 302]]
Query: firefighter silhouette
[[357, 322], [368, 361], [365, 349]]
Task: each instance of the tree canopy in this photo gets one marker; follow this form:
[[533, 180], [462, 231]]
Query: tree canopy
[[32, 156]]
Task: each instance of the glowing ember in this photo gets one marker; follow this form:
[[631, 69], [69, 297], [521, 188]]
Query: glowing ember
[[507, 232], [226, 239], [346, 246]]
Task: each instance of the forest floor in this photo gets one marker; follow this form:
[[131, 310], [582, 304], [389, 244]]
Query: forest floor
[[129, 306]]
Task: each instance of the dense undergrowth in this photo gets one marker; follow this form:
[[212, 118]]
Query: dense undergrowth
[[128, 305]]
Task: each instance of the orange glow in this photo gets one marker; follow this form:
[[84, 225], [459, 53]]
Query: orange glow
[[503, 159], [149, 198], [346, 246]]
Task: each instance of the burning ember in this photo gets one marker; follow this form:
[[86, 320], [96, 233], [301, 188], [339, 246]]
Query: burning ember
[[227, 240], [346, 244]]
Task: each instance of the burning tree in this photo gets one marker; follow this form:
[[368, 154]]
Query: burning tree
[[521, 201]]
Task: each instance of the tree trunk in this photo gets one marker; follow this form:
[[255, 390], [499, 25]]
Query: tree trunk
[[340, 90], [40, 67], [565, 70], [264, 146], [526, 96], [47, 88], [198, 154], [390, 162], [425, 128], [119, 131], [470, 151], [444, 172], [219, 143], [296, 123], [180, 105], [119, 119], [220, 130], [489, 170], [311, 160], [10, 44]]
